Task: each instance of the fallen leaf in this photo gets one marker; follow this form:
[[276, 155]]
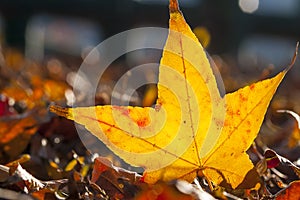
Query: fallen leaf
[[15, 133], [192, 131], [43, 194], [273, 160], [292, 192], [16, 175], [116, 182], [164, 191], [24, 180]]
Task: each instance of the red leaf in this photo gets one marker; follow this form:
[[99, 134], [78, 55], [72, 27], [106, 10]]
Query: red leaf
[[292, 192]]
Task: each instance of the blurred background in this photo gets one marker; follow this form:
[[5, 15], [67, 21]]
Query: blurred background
[[255, 31], [242, 36]]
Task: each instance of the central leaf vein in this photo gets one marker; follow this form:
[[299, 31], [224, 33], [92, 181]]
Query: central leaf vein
[[188, 101]]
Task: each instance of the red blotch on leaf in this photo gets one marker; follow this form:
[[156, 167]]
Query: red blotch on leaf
[[252, 86], [143, 122]]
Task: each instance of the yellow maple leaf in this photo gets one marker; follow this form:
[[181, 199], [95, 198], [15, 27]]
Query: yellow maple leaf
[[192, 130]]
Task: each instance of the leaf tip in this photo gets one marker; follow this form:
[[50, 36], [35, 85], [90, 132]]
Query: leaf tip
[[174, 7]]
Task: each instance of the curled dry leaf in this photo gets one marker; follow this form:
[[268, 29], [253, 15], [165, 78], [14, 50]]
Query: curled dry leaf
[[273, 160], [193, 130], [21, 178], [115, 181]]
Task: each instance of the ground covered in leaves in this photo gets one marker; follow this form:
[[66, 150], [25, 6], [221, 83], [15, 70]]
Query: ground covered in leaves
[[42, 156]]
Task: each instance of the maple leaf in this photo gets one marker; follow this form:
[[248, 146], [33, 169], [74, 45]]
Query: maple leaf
[[192, 131]]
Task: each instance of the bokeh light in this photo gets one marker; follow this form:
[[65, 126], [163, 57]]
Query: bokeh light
[[248, 6]]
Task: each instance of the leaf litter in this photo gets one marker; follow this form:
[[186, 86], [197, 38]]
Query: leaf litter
[[66, 170]]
